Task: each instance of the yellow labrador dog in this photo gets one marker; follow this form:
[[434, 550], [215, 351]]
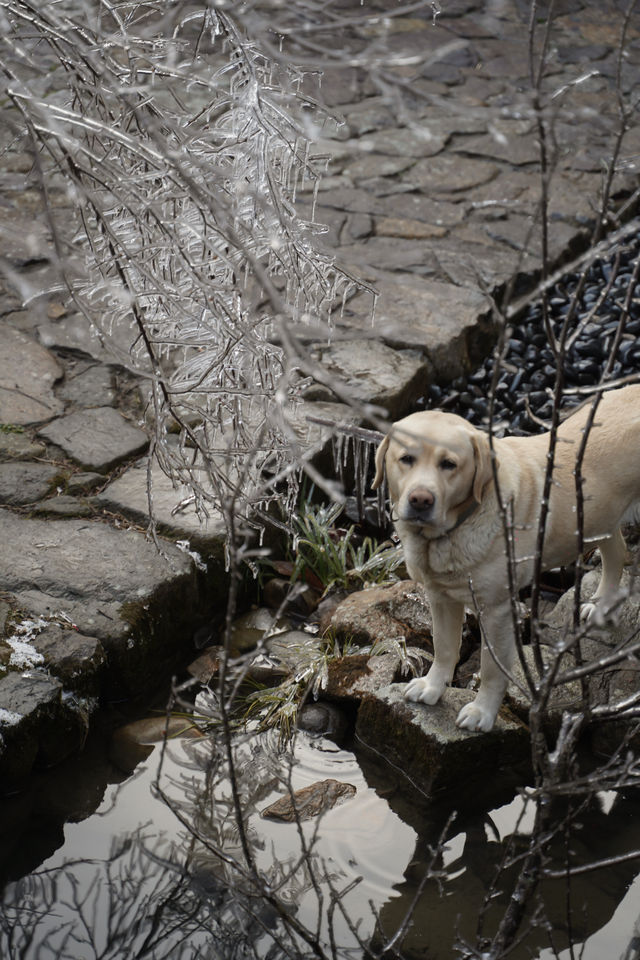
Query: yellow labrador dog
[[441, 484]]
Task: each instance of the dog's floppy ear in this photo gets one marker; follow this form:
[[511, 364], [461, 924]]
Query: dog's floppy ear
[[484, 469], [381, 452]]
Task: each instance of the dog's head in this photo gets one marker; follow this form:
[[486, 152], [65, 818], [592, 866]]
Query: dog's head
[[437, 467]]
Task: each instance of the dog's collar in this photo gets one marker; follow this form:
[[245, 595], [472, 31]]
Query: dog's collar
[[470, 506]]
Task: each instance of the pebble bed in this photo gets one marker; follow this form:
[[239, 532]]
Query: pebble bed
[[525, 387]]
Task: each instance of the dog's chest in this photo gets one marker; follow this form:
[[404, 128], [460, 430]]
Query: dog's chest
[[435, 561]]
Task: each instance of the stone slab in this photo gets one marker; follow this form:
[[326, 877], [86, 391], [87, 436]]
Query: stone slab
[[128, 495], [77, 660], [16, 445], [37, 726], [436, 755], [97, 439], [27, 375], [89, 387], [373, 373], [74, 332], [24, 482], [450, 173], [112, 584], [451, 324]]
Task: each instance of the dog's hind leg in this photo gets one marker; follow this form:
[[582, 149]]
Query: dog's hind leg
[[612, 552]]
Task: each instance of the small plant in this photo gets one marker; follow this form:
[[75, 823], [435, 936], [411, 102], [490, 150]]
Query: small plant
[[279, 706], [333, 558]]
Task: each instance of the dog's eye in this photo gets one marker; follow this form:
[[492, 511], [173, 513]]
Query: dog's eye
[[447, 464], [407, 459]]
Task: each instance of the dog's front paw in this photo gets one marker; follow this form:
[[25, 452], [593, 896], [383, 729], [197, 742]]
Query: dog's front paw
[[588, 611], [597, 613], [424, 690], [475, 717]]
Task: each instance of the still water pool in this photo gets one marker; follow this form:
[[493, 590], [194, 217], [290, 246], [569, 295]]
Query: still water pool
[[158, 871]]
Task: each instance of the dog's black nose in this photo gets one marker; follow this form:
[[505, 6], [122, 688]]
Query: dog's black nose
[[421, 499]]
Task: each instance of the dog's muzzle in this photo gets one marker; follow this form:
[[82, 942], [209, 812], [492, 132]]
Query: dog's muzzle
[[419, 506]]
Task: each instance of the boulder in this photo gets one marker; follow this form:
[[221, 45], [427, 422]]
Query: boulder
[[373, 373], [379, 614], [76, 660], [355, 676], [434, 755], [38, 726]]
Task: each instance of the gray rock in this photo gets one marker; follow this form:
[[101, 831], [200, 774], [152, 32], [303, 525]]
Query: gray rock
[[508, 145], [63, 506], [128, 495], [22, 482], [292, 648], [373, 373], [15, 445], [97, 439], [482, 265], [358, 226], [380, 614], [83, 482], [23, 239], [90, 386], [620, 632], [368, 115], [309, 802], [376, 165], [76, 660], [420, 140], [450, 173], [434, 754], [37, 725], [390, 253], [100, 618], [73, 332], [324, 719], [27, 375], [349, 199], [567, 696], [415, 206], [112, 584], [451, 324]]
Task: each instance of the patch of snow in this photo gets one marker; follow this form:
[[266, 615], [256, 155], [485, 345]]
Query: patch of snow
[[24, 655], [8, 718], [185, 546]]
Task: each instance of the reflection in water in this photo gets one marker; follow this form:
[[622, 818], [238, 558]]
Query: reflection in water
[[484, 858], [160, 872]]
